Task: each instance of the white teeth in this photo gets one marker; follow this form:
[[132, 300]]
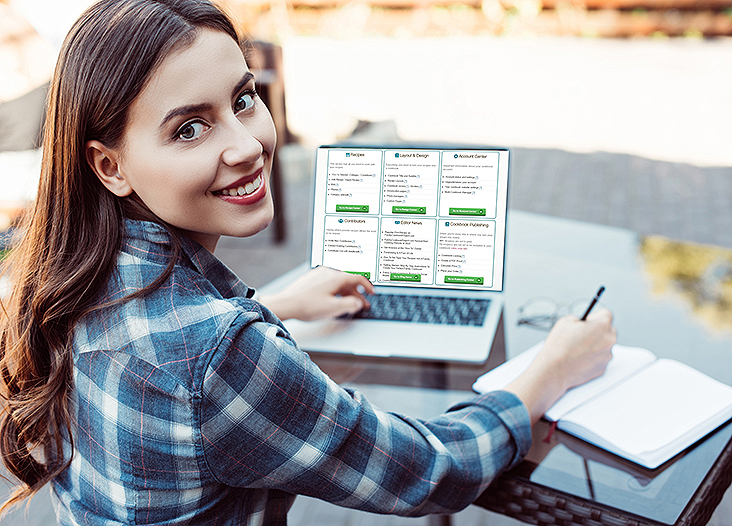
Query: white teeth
[[244, 190]]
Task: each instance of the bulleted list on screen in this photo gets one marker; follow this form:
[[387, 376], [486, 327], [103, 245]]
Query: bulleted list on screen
[[406, 251], [412, 217], [350, 244], [354, 182], [410, 183], [465, 252], [469, 184]]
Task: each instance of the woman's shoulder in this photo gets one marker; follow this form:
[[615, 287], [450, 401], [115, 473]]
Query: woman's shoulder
[[171, 329], [175, 326]]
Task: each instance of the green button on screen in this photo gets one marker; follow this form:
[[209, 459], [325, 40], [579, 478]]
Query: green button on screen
[[408, 210], [470, 280], [467, 211], [366, 275], [361, 209], [399, 276]]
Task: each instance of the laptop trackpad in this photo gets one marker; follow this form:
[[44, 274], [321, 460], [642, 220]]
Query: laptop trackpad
[[389, 338]]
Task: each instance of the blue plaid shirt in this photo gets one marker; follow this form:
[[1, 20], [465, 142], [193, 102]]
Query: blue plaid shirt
[[194, 406]]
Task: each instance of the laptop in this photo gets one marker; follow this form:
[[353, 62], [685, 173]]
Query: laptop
[[427, 226]]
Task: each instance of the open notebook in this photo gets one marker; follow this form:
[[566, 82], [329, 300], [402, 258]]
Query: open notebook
[[644, 409]]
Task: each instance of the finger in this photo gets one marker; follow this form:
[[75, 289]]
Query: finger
[[602, 316], [611, 337], [360, 281], [358, 293], [340, 305], [352, 284]]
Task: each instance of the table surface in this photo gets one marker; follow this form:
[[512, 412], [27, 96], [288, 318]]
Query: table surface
[[665, 297], [668, 297]]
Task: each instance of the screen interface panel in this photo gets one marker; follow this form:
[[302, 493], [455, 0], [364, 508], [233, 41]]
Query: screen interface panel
[[412, 217]]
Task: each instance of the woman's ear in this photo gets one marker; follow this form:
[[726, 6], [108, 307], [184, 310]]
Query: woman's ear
[[105, 163]]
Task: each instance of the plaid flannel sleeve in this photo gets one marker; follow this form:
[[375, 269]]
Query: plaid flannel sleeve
[[269, 418]]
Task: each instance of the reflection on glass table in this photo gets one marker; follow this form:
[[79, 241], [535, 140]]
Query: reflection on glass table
[[567, 481], [576, 468], [661, 293]]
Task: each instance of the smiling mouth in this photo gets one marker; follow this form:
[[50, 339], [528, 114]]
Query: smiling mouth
[[246, 189]]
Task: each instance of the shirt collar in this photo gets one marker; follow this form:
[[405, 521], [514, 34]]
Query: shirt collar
[[144, 235]]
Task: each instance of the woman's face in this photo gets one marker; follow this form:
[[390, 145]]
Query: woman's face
[[199, 143]]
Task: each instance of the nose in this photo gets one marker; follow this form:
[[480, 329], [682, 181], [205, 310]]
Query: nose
[[242, 144]]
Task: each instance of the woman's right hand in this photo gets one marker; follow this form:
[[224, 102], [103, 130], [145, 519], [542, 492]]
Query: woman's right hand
[[320, 293], [574, 352]]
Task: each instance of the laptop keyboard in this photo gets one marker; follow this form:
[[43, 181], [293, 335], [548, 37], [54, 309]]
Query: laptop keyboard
[[426, 309]]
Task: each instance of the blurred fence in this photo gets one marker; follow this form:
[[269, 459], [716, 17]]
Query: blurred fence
[[601, 18]]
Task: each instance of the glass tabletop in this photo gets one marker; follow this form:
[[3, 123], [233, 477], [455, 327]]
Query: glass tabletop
[[672, 298], [574, 467]]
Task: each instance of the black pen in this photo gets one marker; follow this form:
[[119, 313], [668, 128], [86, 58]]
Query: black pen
[[592, 303]]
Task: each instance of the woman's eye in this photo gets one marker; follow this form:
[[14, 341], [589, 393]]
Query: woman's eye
[[190, 130], [244, 102]]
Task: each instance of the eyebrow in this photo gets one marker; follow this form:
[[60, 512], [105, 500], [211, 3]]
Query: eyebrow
[[184, 110], [243, 82], [200, 108]]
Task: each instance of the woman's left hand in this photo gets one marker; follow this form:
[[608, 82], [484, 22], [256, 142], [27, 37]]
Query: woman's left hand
[[321, 293]]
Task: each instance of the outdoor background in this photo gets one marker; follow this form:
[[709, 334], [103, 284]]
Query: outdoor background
[[617, 112]]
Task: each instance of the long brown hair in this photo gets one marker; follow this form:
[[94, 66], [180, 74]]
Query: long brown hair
[[72, 237]]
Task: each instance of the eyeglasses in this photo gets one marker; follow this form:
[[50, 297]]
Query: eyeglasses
[[542, 312]]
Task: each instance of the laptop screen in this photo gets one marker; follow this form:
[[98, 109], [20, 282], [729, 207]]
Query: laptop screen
[[412, 217]]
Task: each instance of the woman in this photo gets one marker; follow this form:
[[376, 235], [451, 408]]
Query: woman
[[140, 377]]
